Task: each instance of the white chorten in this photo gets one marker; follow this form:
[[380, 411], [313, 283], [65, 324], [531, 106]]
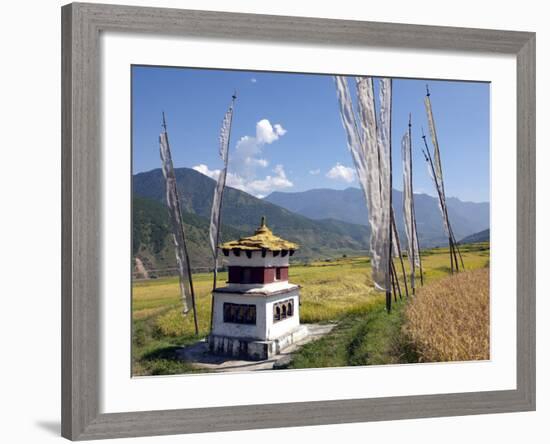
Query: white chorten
[[257, 313]]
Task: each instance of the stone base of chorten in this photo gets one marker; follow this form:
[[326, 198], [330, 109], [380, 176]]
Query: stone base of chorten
[[253, 349]]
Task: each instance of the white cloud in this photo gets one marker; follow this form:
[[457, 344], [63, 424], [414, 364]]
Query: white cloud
[[253, 80], [246, 163], [279, 129], [266, 134], [247, 146], [248, 150], [270, 183], [248, 156], [203, 169], [235, 181], [257, 162], [232, 180], [258, 187], [341, 172], [314, 172]]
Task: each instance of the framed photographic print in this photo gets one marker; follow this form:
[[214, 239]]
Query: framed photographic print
[[277, 221]]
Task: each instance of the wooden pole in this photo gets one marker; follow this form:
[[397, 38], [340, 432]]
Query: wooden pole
[[394, 228], [215, 277], [420, 262], [428, 157], [420, 269], [454, 255], [454, 246], [188, 264], [390, 260], [394, 281], [452, 241], [388, 290], [195, 319], [414, 232], [213, 290], [451, 253], [457, 249]]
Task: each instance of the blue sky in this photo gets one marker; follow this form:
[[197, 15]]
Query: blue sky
[[287, 134]]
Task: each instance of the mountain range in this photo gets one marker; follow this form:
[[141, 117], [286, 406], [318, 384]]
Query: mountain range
[[482, 236], [323, 222], [349, 206]]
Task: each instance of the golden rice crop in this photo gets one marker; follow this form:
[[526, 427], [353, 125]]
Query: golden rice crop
[[448, 320]]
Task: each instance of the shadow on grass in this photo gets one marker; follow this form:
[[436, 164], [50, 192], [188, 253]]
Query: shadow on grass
[[169, 352], [164, 361], [443, 268]]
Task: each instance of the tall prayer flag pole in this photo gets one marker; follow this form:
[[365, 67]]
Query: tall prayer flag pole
[[416, 244], [384, 145], [438, 175], [409, 216], [216, 212], [178, 234], [446, 223]]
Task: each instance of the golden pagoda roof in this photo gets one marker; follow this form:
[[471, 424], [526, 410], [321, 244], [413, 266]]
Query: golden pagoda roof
[[263, 238]]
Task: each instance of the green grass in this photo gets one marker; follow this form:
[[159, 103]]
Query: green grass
[[338, 291], [369, 337]]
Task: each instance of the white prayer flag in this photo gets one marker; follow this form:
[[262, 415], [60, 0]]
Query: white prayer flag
[[434, 167], [408, 206], [173, 203], [437, 157], [372, 165], [215, 215]]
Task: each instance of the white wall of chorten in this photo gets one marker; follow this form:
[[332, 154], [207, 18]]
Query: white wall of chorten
[[267, 327]]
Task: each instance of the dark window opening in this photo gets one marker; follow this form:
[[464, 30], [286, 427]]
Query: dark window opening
[[251, 315], [278, 274], [239, 313], [283, 310], [246, 275], [226, 312]]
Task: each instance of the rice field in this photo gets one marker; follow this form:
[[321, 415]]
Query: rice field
[[449, 320], [338, 290]]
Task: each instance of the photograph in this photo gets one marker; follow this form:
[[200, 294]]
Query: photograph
[[285, 221]]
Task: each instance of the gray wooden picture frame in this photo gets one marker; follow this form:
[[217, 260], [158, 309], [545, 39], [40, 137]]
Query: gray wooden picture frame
[[81, 172]]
